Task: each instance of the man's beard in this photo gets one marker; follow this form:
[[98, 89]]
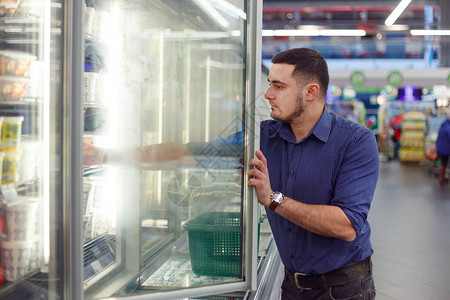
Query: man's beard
[[298, 111]]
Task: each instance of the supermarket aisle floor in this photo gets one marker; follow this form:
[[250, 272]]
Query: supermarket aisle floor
[[410, 219]]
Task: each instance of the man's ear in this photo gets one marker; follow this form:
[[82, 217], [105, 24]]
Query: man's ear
[[312, 91]]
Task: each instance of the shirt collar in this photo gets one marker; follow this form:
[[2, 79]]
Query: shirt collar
[[321, 130], [323, 127]]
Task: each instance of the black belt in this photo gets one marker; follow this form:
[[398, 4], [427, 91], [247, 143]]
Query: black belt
[[334, 278]]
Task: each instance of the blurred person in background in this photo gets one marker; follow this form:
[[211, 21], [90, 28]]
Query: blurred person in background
[[443, 147], [396, 125]]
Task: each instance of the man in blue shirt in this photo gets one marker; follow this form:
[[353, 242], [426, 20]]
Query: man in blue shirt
[[316, 174], [443, 148]]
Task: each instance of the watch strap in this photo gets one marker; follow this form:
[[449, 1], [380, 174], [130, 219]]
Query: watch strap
[[273, 205]]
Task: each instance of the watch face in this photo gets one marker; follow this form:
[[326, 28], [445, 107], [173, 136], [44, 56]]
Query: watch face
[[278, 197]]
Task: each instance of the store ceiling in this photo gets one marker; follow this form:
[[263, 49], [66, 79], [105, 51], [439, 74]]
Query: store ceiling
[[343, 14]]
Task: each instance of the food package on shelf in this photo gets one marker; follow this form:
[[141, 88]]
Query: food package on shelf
[[31, 161], [8, 7], [15, 63], [12, 88]]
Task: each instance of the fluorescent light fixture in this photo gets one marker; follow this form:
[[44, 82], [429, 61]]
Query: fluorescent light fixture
[[397, 12], [429, 32], [395, 27], [312, 32], [194, 35], [342, 32], [290, 32]]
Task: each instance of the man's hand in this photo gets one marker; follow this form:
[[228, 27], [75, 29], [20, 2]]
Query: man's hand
[[258, 177], [93, 155], [167, 152]]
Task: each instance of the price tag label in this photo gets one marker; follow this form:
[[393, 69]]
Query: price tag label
[[9, 193]]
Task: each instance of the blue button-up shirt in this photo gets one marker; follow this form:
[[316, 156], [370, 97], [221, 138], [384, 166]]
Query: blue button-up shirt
[[337, 163], [443, 140]]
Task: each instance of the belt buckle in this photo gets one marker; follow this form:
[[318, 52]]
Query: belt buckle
[[297, 284]]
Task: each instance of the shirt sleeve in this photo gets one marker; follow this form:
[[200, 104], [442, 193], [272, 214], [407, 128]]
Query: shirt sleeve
[[221, 153], [357, 178]]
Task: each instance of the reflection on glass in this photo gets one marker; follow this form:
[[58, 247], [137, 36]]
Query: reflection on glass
[[164, 101]]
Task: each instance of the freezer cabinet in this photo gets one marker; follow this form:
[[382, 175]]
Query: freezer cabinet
[[169, 99]]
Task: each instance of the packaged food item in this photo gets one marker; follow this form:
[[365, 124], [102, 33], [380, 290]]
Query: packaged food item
[[1, 122], [22, 221], [11, 133], [90, 80], [2, 221], [2, 275], [89, 13], [15, 63], [2, 155], [99, 86], [8, 7], [11, 167], [16, 258], [30, 161], [12, 88]]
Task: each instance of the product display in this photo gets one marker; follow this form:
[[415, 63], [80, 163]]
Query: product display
[[20, 250], [22, 86], [413, 137]]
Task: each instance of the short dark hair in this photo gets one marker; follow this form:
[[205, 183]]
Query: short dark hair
[[308, 65]]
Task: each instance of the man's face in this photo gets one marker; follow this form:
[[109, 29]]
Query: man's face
[[284, 96]]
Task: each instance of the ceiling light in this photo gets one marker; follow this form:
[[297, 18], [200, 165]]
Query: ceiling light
[[290, 32], [430, 32], [314, 32], [342, 32], [395, 27], [397, 12]]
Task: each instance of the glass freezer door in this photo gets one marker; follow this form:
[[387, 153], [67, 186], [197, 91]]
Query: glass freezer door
[[31, 118], [165, 95]]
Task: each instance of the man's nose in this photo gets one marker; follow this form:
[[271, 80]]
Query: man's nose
[[268, 95]]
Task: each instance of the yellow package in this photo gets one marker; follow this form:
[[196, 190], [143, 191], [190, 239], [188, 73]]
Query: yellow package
[[11, 133], [10, 167]]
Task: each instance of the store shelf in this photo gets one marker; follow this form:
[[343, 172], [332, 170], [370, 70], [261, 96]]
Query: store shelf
[[413, 137], [99, 254]]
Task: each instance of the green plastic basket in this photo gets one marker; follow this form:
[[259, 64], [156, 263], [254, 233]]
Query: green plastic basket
[[215, 244]]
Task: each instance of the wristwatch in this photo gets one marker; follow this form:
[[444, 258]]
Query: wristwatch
[[277, 198]]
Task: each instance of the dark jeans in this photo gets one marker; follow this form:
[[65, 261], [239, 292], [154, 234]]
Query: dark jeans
[[444, 160], [362, 288]]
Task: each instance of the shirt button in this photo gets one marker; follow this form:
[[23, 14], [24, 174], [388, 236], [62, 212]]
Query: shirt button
[[292, 256], [292, 172]]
